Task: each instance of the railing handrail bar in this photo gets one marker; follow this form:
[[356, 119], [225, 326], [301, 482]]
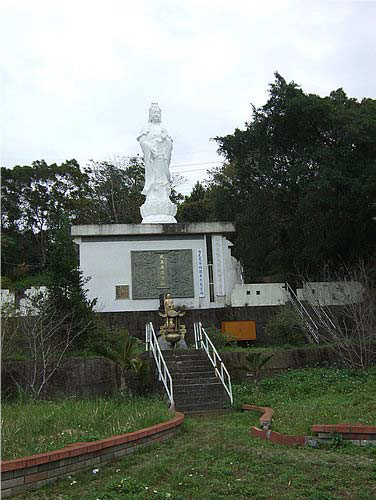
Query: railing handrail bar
[[206, 342], [314, 309], [164, 375], [291, 291], [302, 311]]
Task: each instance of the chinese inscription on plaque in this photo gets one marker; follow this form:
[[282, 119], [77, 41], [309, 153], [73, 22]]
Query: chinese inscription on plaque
[[200, 271], [158, 271]]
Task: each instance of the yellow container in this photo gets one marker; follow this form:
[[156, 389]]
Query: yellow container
[[240, 330]]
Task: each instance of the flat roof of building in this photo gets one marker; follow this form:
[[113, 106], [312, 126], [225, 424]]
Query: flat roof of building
[[143, 229]]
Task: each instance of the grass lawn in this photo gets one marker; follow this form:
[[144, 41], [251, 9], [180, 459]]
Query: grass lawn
[[216, 458], [302, 398], [31, 427]]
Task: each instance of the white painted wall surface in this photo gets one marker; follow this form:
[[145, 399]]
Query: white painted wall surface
[[26, 305], [259, 294], [334, 293], [108, 263], [7, 298]]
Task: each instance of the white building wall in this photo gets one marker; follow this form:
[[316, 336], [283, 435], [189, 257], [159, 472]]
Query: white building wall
[[259, 294], [108, 263], [334, 293], [26, 305]]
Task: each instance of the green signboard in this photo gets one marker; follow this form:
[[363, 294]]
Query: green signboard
[[159, 271]]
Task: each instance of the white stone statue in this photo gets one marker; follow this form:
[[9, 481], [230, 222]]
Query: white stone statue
[[156, 145]]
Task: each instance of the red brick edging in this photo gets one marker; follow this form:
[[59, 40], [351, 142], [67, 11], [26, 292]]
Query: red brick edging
[[356, 433], [266, 417], [26, 473]]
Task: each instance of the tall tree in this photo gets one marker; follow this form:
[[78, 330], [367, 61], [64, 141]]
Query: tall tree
[[300, 180], [196, 206], [33, 200], [116, 187], [66, 285]]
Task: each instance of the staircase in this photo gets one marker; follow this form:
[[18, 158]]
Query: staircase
[[197, 390]]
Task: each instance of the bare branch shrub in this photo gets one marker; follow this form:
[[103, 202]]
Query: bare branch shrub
[[44, 334], [9, 321], [343, 309]]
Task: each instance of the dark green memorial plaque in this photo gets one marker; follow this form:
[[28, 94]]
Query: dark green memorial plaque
[[158, 271]]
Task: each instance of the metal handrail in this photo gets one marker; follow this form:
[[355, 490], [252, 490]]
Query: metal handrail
[[203, 341], [302, 311], [152, 345]]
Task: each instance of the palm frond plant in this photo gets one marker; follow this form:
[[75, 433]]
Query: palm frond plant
[[124, 350], [255, 363]]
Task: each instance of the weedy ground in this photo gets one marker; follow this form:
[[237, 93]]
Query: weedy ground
[[31, 427], [216, 458], [302, 398]]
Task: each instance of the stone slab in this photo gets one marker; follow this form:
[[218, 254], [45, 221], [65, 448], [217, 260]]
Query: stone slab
[[142, 229]]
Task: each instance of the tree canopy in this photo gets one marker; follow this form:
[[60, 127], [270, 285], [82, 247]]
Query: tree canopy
[[37, 197], [299, 181]]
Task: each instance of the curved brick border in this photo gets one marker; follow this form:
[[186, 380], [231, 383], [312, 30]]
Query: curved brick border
[[266, 417], [36, 470], [358, 434]]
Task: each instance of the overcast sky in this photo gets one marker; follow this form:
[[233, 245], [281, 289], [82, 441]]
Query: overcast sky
[[78, 76]]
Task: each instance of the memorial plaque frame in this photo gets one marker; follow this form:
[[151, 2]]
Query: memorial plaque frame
[[158, 271]]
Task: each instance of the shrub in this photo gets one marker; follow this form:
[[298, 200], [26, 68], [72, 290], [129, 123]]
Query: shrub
[[6, 282], [120, 347], [255, 363], [219, 339], [286, 327]]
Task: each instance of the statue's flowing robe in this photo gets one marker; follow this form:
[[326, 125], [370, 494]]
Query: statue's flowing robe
[[156, 145]]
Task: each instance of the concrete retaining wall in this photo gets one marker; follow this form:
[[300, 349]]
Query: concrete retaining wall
[[135, 322], [282, 360]]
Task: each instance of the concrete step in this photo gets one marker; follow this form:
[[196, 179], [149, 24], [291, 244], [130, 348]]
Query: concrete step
[[194, 375], [184, 355], [208, 413], [182, 352], [177, 369], [188, 363], [187, 359], [186, 382], [200, 397], [200, 407], [199, 389]]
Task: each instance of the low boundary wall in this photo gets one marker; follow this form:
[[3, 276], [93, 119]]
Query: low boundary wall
[[358, 434], [135, 321], [32, 472]]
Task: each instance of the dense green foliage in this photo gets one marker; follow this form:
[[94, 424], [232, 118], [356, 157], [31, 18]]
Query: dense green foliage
[[299, 181], [36, 199], [196, 207], [254, 363], [123, 349], [31, 427], [219, 339], [66, 285], [286, 327]]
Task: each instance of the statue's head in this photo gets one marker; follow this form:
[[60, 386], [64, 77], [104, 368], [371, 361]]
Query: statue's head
[[154, 113]]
